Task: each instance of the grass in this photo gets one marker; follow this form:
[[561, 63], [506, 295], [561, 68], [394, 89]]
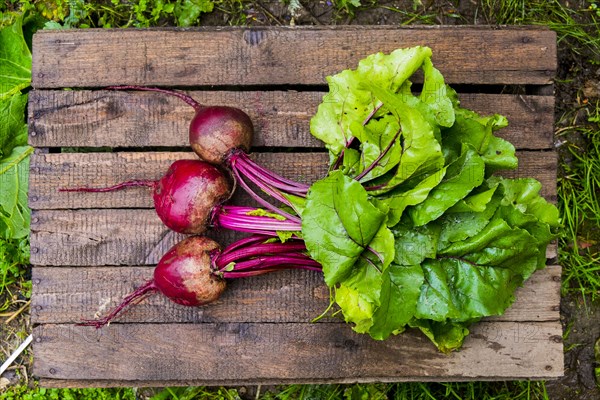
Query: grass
[[578, 132], [579, 195]]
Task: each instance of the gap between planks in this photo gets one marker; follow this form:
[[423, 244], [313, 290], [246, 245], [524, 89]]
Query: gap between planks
[[282, 119], [257, 56]]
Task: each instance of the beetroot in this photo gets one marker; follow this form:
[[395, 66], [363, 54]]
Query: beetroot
[[193, 272], [184, 198], [215, 131], [223, 135]]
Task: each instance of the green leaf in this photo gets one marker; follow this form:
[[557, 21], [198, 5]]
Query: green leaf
[[435, 94], [415, 244], [421, 151], [460, 290], [447, 336], [188, 11], [15, 60], [400, 290], [14, 177], [375, 138], [397, 203], [356, 308], [462, 176], [348, 101], [298, 203], [13, 129], [458, 226], [523, 194], [337, 231]]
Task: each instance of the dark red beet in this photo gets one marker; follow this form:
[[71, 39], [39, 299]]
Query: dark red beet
[[216, 131], [185, 196], [184, 274]]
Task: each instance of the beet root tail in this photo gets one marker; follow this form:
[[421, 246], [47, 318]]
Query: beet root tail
[[118, 186], [135, 297]]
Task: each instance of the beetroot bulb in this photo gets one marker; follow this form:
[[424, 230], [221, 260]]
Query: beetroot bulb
[[189, 199], [194, 271], [223, 135]]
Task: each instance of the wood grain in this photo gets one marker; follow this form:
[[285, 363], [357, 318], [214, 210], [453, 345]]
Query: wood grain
[[84, 118], [66, 295], [281, 56], [50, 172], [289, 352]]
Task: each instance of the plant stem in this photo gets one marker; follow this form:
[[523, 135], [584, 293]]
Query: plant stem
[[118, 186], [136, 296], [188, 99]]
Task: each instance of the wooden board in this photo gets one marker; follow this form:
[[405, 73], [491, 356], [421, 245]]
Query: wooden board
[[116, 119], [264, 56], [90, 249]]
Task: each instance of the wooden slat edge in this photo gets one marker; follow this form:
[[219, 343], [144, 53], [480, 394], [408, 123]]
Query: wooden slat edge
[[250, 56], [68, 294], [204, 353], [84, 118]]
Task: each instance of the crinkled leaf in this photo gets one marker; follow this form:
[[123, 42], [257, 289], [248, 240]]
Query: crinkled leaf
[[476, 202], [14, 177], [436, 95], [337, 231], [356, 308], [348, 101], [458, 226], [421, 151], [380, 149], [13, 129], [399, 200], [15, 60], [298, 203], [523, 194], [477, 131], [400, 290], [447, 336], [462, 176]]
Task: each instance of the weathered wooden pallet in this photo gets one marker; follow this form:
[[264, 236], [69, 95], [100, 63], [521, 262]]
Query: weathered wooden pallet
[[88, 250]]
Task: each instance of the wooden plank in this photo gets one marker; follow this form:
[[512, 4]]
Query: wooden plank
[[110, 237], [281, 118], [66, 295], [49, 172], [331, 352], [283, 55]]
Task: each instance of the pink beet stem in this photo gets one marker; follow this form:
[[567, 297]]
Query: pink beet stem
[[188, 99], [259, 249], [136, 296], [118, 186]]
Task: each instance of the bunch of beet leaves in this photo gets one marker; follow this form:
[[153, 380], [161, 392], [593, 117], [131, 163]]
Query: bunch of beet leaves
[[409, 227]]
